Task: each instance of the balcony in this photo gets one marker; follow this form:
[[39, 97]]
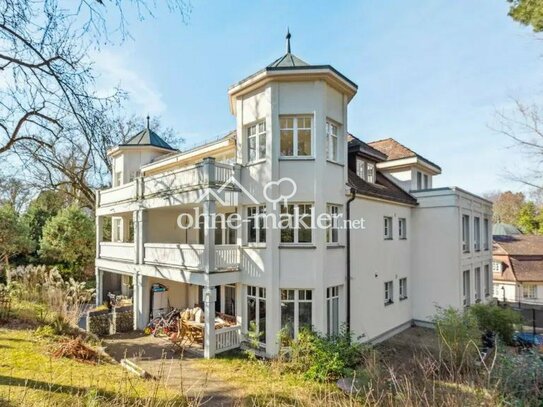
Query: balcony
[[190, 256], [206, 174], [117, 251]]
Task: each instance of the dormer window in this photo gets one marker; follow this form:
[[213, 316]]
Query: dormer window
[[365, 170], [496, 266], [296, 136], [256, 142]]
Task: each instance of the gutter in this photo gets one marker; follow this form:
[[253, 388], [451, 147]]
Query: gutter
[[348, 277]]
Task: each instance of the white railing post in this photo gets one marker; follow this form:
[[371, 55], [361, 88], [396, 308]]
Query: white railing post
[[99, 286], [210, 295]]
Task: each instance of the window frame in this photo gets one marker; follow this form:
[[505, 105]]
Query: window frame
[[529, 291], [388, 230], [332, 140], [260, 227], [402, 284], [297, 226], [477, 233], [260, 136], [466, 238], [295, 135], [402, 231], [332, 310], [389, 292], [466, 288], [296, 300], [332, 229], [258, 294], [117, 230], [478, 286]]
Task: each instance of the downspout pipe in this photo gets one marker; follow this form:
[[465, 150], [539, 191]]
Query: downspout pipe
[[348, 277]]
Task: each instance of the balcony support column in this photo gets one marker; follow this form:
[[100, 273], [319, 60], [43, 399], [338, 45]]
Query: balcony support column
[[210, 296], [99, 234], [99, 286], [140, 233]]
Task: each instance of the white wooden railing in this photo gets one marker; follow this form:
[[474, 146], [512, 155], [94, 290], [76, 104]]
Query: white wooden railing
[[118, 194], [226, 256], [227, 338], [223, 172], [190, 255], [172, 254], [173, 180], [186, 178], [117, 251]]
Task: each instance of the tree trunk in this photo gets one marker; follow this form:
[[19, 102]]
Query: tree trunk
[[6, 266]]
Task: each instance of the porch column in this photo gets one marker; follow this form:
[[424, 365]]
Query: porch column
[[99, 233], [140, 234], [99, 286], [140, 301], [210, 295]]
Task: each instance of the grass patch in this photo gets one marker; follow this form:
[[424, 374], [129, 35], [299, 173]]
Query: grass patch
[[264, 383], [31, 376]]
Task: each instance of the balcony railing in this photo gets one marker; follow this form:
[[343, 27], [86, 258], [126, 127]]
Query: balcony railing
[[179, 255], [227, 338], [119, 194], [190, 256], [187, 178], [226, 257], [117, 251]]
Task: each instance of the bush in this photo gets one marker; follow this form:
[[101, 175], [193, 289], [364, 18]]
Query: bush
[[323, 358], [497, 319], [519, 378], [459, 337]]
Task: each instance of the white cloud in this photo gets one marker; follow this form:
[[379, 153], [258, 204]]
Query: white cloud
[[115, 71]]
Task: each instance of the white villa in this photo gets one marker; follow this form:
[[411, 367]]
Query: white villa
[[419, 247]]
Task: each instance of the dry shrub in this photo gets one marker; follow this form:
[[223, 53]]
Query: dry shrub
[[76, 349], [45, 285]]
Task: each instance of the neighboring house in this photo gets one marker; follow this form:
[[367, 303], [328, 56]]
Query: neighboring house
[[517, 265], [420, 247]]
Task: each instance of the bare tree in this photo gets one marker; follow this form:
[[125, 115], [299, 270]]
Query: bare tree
[[50, 114], [524, 125]]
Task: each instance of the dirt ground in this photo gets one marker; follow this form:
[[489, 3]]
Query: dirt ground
[[159, 358], [399, 350]]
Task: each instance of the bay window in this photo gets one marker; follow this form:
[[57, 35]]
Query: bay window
[[296, 136]]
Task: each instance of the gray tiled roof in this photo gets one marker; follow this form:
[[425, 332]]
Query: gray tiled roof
[[147, 137], [287, 60]]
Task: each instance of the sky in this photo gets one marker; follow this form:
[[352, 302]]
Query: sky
[[431, 74]]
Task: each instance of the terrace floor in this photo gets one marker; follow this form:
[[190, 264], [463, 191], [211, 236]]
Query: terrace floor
[[175, 367]]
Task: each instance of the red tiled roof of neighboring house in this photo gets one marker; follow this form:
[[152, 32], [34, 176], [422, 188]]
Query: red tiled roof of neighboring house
[[521, 257], [397, 151]]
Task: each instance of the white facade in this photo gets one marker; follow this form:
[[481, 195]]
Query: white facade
[[291, 122]]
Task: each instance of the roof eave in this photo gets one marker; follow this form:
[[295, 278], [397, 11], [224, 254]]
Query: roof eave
[[303, 73]]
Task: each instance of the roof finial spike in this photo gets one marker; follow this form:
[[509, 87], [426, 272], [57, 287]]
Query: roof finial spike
[[148, 121], [288, 40]]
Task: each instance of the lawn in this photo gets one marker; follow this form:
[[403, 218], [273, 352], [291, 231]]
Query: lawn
[[267, 383], [31, 376]]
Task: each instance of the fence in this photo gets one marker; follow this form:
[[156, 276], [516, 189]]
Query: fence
[[531, 313]]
